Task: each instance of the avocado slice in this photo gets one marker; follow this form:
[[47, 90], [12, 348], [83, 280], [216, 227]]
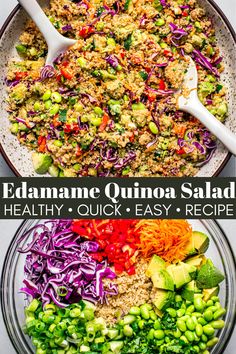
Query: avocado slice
[[179, 273], [162, 299], [192, 270], [191, 250], [162, 280], [201, 241], [155, 265], [189, 290], [209, 276], [196, 261], [41, 162], [208, 293]]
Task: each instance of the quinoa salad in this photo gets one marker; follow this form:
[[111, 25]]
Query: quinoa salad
[[108, 106], [120, 286]]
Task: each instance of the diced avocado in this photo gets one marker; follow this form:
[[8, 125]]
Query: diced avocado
[[163, 298], [138, 106], [84, 349], [192, 270], [208, 293], [201, 241], [116, 346], [222, 109], [162, 280], [179, 274], [189, 290], [209, 276], [206, 88], [155, 264], [196, 261], [190, 249], [41, 162], [53, 171]]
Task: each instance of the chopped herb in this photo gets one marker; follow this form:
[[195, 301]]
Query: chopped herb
[[127, 3], [62, 115], [100, 11], [218, 88], [128, 42], [143, 75]]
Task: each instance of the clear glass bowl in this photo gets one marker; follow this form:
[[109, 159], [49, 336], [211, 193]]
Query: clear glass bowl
[[13, 302]]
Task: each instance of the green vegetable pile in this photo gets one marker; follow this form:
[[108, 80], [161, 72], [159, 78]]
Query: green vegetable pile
[[186, 327]]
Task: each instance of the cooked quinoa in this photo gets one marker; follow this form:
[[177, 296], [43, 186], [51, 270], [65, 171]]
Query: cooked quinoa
[[132, 289], [109, 108]]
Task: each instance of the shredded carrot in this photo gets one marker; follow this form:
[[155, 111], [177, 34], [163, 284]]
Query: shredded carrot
[[166, 238]]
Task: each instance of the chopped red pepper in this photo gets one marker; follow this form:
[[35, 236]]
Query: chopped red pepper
[[152, 97], [86, 31], [21, 75], [105, 120], [167, 53], [162, 85], [116, 238], [71, 128], [41, 143], [67, 73], [184, 13], [180, 151]]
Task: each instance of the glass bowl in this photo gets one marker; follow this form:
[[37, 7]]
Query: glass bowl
[[13, 302]]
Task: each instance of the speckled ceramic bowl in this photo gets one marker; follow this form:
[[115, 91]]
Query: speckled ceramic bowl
[[19, 157]]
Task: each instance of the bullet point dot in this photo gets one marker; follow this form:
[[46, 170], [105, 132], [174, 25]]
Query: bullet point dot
[[178, 210], [128, 210], [70, 210]]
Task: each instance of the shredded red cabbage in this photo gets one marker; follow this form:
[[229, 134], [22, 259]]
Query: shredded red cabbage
[[57, 257], [113, 61], [199, 58], [47, 71]]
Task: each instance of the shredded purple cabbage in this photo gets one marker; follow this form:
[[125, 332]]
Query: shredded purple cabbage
[[56, 258], [47, 71], [66, 28], [113, 61], [199, 58]]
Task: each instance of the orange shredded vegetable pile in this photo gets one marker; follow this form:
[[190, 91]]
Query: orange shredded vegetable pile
[[168, 239]]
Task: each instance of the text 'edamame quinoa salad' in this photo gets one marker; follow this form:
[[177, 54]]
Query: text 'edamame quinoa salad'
[[108, 106]]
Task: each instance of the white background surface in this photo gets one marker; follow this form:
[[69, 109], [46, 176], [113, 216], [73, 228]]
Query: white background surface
[[8, 227]]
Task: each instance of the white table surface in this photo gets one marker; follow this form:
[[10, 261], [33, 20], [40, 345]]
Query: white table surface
[[8, 227]]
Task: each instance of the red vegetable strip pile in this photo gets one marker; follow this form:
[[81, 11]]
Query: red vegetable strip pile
[[116, 238]]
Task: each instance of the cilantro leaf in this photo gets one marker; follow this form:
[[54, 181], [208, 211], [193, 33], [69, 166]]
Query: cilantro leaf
[[62, 115]]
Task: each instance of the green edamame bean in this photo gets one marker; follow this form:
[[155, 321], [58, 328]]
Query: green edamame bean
[[183, 306], [58, 143], [196, 314], [149, 307], [208, 315], [198, 304], [37, 106], [190, 336], [180, 312], [219, 313], [212, 308], [212, 342], [135, 310], [218, 305], [144, 312], [172, 312], [181, 325], [157, 325], [128, 331], [150, 335], [47, 104], [202, 321], [196, 349], [190, 309], [199, 330], [160, 22], [190, 324], [218, 324], [56, 97], [141, 324], [129, 319], [159, 334], [184, 339], [204, 338], [54, 109], [209, 303], [153, 316], [208, 330], [178, 298], [153, 127], [177, 333], [98, 111], [196, 338], [202, 345], [46, 95], [82, 62], [167, 339], [215, 298], [78, 107], [185, 317], [206, 352]]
